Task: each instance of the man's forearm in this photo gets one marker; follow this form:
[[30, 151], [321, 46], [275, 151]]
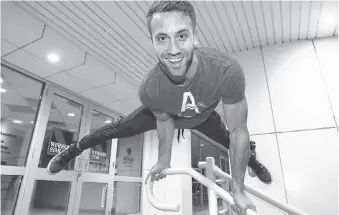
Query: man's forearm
[[239, 155], [165, 133]]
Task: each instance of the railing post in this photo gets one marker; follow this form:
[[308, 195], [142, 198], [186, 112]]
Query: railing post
[[212, 198]]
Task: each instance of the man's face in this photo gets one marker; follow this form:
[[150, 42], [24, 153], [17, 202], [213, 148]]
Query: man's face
[[173, 39]]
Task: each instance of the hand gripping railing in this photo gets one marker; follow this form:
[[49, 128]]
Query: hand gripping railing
[[283, 206], [197, 176]]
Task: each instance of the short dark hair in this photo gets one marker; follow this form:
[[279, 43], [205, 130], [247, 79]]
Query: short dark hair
[[169, 6]]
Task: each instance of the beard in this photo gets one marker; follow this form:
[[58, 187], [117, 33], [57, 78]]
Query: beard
[[178, 79]]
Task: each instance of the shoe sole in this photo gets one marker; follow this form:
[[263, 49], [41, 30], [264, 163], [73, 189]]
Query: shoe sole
[[49, 166], [50, 162]]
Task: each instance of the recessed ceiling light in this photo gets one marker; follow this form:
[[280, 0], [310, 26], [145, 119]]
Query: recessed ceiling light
[[32, 122], [2, 90], [108, 121], [71, 114], [17, 121], [329, 19], [52, 57]]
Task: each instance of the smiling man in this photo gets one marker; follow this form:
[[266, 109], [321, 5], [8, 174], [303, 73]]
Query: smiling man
[[181, 92]]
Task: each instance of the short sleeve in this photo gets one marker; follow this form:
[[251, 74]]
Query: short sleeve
[[233, 84], [146, 100]]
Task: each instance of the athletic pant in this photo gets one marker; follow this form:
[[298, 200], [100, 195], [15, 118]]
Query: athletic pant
[[142, 120]]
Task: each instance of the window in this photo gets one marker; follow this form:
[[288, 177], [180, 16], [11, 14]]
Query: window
[[20, 100], [126, 198], [129, 156], [62, 129], [10, 186], [100, 155]]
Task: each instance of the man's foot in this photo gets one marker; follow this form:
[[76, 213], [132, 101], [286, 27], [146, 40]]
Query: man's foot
[[257, 168], [60, 160]]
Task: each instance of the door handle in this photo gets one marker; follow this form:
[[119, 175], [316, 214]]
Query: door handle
[[86, 164], [77, 164], [103, 196]]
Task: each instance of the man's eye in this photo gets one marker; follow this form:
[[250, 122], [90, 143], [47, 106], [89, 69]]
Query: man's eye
[[182, 36], [162, 38]]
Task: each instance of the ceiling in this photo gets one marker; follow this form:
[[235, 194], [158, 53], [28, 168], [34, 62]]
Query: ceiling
[[104, 46]]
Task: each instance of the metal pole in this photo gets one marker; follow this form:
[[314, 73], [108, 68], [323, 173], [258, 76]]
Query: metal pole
[[212, 198]]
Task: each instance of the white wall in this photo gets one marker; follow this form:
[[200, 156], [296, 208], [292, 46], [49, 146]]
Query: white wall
[[293, 96]]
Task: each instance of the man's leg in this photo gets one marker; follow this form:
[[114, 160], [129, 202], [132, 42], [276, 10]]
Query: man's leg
[[215, 129], [139, 121]]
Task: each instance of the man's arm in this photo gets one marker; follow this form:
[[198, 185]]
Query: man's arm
[[165, 129], [236, 120]]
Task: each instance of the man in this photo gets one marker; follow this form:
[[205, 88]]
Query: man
[[181, 92]]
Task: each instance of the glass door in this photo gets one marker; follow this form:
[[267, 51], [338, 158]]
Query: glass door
[[21, 97], [62, 122], [97, 176]]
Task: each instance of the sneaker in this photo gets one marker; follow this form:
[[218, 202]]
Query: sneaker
[[60, 160], [257, 168]]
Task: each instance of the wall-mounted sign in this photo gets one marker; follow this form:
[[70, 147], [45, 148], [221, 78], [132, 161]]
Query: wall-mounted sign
[[128, 160], [55, 148], [98, 157], [59, 141]]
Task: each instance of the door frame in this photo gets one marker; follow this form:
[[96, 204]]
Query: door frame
[[89, 177], [38, 173]]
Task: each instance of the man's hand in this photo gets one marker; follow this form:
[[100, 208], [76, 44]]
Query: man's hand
[[242, 203], [155, 172]]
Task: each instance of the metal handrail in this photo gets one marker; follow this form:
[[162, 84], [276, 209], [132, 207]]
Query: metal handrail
[[283, 206], [197, 176]]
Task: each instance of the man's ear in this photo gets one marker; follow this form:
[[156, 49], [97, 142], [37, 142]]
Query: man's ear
[[196, 41]]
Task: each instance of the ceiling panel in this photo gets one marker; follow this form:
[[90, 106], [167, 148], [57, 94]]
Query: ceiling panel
[[245, 30], [51, 42], [260, 22], [314, 18], [295, 19], [234, 24], [266, 10], [115, 34], [93, 72], [90, 23], [77, 36], [15, 23], [121, 89], [31, 63], [69, 82], [125, 107], [117, 30], [97, 95], [229, 34], [285, 7], [305, 14], [6, 47], [120, 45], [277, 21], [248, 11]]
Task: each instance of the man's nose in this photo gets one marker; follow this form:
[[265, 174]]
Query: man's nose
[[173, 48]]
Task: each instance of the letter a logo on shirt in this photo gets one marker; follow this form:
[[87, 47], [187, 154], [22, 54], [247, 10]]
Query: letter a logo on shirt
[[188, 106]]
